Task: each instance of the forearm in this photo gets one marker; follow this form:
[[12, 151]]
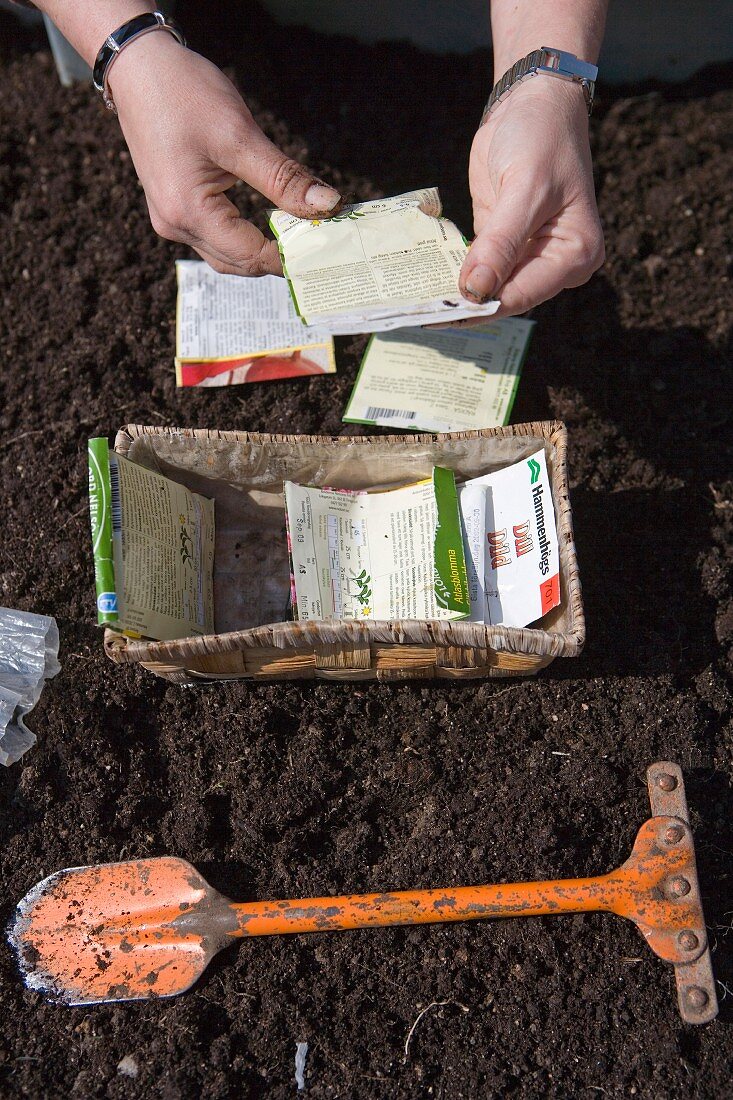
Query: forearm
[[520, 26], [86, 23]]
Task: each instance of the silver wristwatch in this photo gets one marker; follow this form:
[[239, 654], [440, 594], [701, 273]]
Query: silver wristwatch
[[552, 63]]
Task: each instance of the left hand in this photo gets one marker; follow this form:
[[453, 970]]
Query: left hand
[[535, 215], [191, 137]]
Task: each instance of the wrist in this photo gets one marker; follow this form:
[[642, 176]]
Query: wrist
[[561, 96], [86, 23], [142, 62], [562, 71]]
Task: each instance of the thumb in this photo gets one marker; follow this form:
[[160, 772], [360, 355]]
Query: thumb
[[496, 250], [289, 185]]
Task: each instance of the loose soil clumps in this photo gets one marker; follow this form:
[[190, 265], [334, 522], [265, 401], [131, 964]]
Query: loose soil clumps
[[304, 788]]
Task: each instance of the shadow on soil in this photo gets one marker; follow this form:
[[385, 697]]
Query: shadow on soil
[[639, 553]]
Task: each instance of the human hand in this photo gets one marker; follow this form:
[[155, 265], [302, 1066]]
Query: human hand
[[535, 215], [191, 137]]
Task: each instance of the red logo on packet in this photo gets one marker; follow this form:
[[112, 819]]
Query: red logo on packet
[[550, 593]]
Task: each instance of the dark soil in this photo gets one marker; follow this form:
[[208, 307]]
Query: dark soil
[[308, 788]]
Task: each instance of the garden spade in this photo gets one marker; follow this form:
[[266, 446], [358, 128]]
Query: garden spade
[[148, 928]]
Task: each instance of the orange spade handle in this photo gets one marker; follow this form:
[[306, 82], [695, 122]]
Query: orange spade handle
[[522, 899]]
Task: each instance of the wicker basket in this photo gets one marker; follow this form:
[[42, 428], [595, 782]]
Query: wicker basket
[[244, 474]]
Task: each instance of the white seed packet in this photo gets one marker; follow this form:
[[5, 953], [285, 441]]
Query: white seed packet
[[510, 542], [231, 330]]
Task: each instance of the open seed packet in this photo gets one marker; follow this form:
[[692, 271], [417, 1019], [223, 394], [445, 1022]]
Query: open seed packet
[[377, 265]]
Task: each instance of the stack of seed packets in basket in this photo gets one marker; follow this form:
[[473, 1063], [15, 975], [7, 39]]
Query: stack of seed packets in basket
[[485, 550], [396, 554]]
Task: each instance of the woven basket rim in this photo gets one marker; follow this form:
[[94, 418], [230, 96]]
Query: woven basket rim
[[126, 435], [313, 633]]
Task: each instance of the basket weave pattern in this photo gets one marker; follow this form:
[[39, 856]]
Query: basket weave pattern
[[362, 649]]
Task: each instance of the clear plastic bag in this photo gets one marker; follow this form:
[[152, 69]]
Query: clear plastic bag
[[29, 646]]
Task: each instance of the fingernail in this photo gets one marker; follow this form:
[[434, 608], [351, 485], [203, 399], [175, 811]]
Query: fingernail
[[321, 197], [480, 283]]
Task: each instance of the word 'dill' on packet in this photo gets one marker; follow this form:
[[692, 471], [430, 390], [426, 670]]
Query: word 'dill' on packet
[[512, 553], [376, 265]]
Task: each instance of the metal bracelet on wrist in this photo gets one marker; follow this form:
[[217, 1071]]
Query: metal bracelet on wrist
[[115, 42], [549, 62]]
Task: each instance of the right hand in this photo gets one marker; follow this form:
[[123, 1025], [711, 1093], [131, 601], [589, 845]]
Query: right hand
[[535, 216], [191, 137]]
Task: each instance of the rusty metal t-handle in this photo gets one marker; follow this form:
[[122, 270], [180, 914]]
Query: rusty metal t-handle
[[648, 889]]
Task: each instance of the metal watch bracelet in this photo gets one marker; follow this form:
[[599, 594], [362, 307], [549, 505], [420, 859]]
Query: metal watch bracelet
[[115, 42], [549, 62]]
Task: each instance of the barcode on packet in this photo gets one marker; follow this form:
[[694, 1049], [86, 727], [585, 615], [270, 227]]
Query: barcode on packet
[[375, 413], [115, 498]]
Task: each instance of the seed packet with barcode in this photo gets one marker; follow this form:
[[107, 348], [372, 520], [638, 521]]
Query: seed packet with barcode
[[445, 380], [153, 544]]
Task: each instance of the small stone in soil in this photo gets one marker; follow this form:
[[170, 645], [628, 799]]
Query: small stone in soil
[[127, 1066]]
